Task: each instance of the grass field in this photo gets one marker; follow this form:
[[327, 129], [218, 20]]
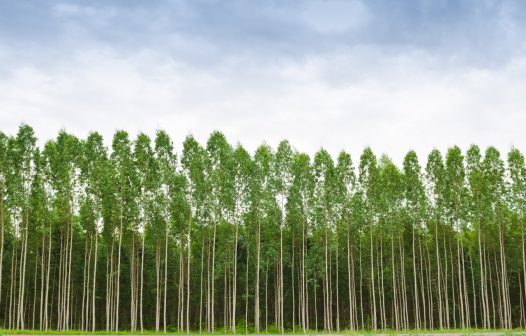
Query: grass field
[[450, 332]]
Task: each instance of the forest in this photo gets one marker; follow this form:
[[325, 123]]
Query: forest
[[135, 236]]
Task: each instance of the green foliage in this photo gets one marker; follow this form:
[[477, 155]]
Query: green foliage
[[377, 246]]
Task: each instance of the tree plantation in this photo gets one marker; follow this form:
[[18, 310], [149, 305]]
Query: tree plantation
[[136, 237]]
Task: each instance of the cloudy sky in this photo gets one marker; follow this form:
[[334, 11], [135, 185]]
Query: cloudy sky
[[338, 74]]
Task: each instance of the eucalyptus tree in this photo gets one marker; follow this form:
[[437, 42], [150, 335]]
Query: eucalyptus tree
[[23, 173], [176, 215], [241, 180], [48, 174], [476, 208], [11, 221], [456, 214], [344, 189], [159, 225], [147, 174], [324, 222], [3, 194], [40, 232], [124, 213], [391, 200], [435, 172], [145, 171], [182, 216], [494, 194], [415, 207], [95, 180], [368, 178], [260, 202], [359, 225], [282, 174], [299, 243], [299, 217], [220, 199], [517, 195], [222, 171], [194, 163], [63, 158], [88, 221], [270, 230], [172, 214], [33, 232]]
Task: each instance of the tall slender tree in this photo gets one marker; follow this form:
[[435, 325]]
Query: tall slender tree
[[220, 239]]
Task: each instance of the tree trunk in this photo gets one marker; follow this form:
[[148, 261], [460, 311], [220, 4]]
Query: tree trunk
[[234, 286], [189, 256], [439, 281], [165, 274], [157, 286], [351, 306], [256, 294], [373, 293], [415, 282], [84, 285], [2, 238], [93, 321], [212, 310], [142, 282], [118, 274]]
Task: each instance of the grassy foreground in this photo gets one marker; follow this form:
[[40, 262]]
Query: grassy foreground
[[309, 332]]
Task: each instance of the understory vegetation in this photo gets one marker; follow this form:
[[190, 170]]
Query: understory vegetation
[[138, 237]]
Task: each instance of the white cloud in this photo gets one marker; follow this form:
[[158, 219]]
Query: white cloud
[[392, 103], [335, 15]]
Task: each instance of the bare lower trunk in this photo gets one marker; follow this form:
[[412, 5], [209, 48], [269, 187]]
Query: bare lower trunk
[[142, 282], [2, 233], [118, 277], [157, 288], [165, 275], [234, 285], [256, 294], [46, 302], [246, 292], [373, 293], [188, 258], [415, 283], [84, 286], [212, 310], [439, 282], [93, 321]]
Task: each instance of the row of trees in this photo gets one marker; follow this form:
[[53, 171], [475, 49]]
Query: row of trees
[[138, 238]]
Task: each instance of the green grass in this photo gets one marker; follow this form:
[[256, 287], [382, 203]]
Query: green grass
[[271, 331]]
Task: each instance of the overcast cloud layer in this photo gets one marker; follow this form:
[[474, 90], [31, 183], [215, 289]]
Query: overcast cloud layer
[[338, 74]]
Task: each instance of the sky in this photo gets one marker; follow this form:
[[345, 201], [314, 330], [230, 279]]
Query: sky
[[334, 74]]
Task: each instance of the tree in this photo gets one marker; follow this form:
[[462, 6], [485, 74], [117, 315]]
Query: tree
[[368, 181], [282, 174], [63, 158], [324, 223], [165, 194], [277, 239], [346, 230], [298, 218], [123, 214], [476, 185], [517, 195], [435, 174], [391, 201], [260, 202], [194, 161], [95, 181], [242, 169], [3, 192], [416, 204]]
